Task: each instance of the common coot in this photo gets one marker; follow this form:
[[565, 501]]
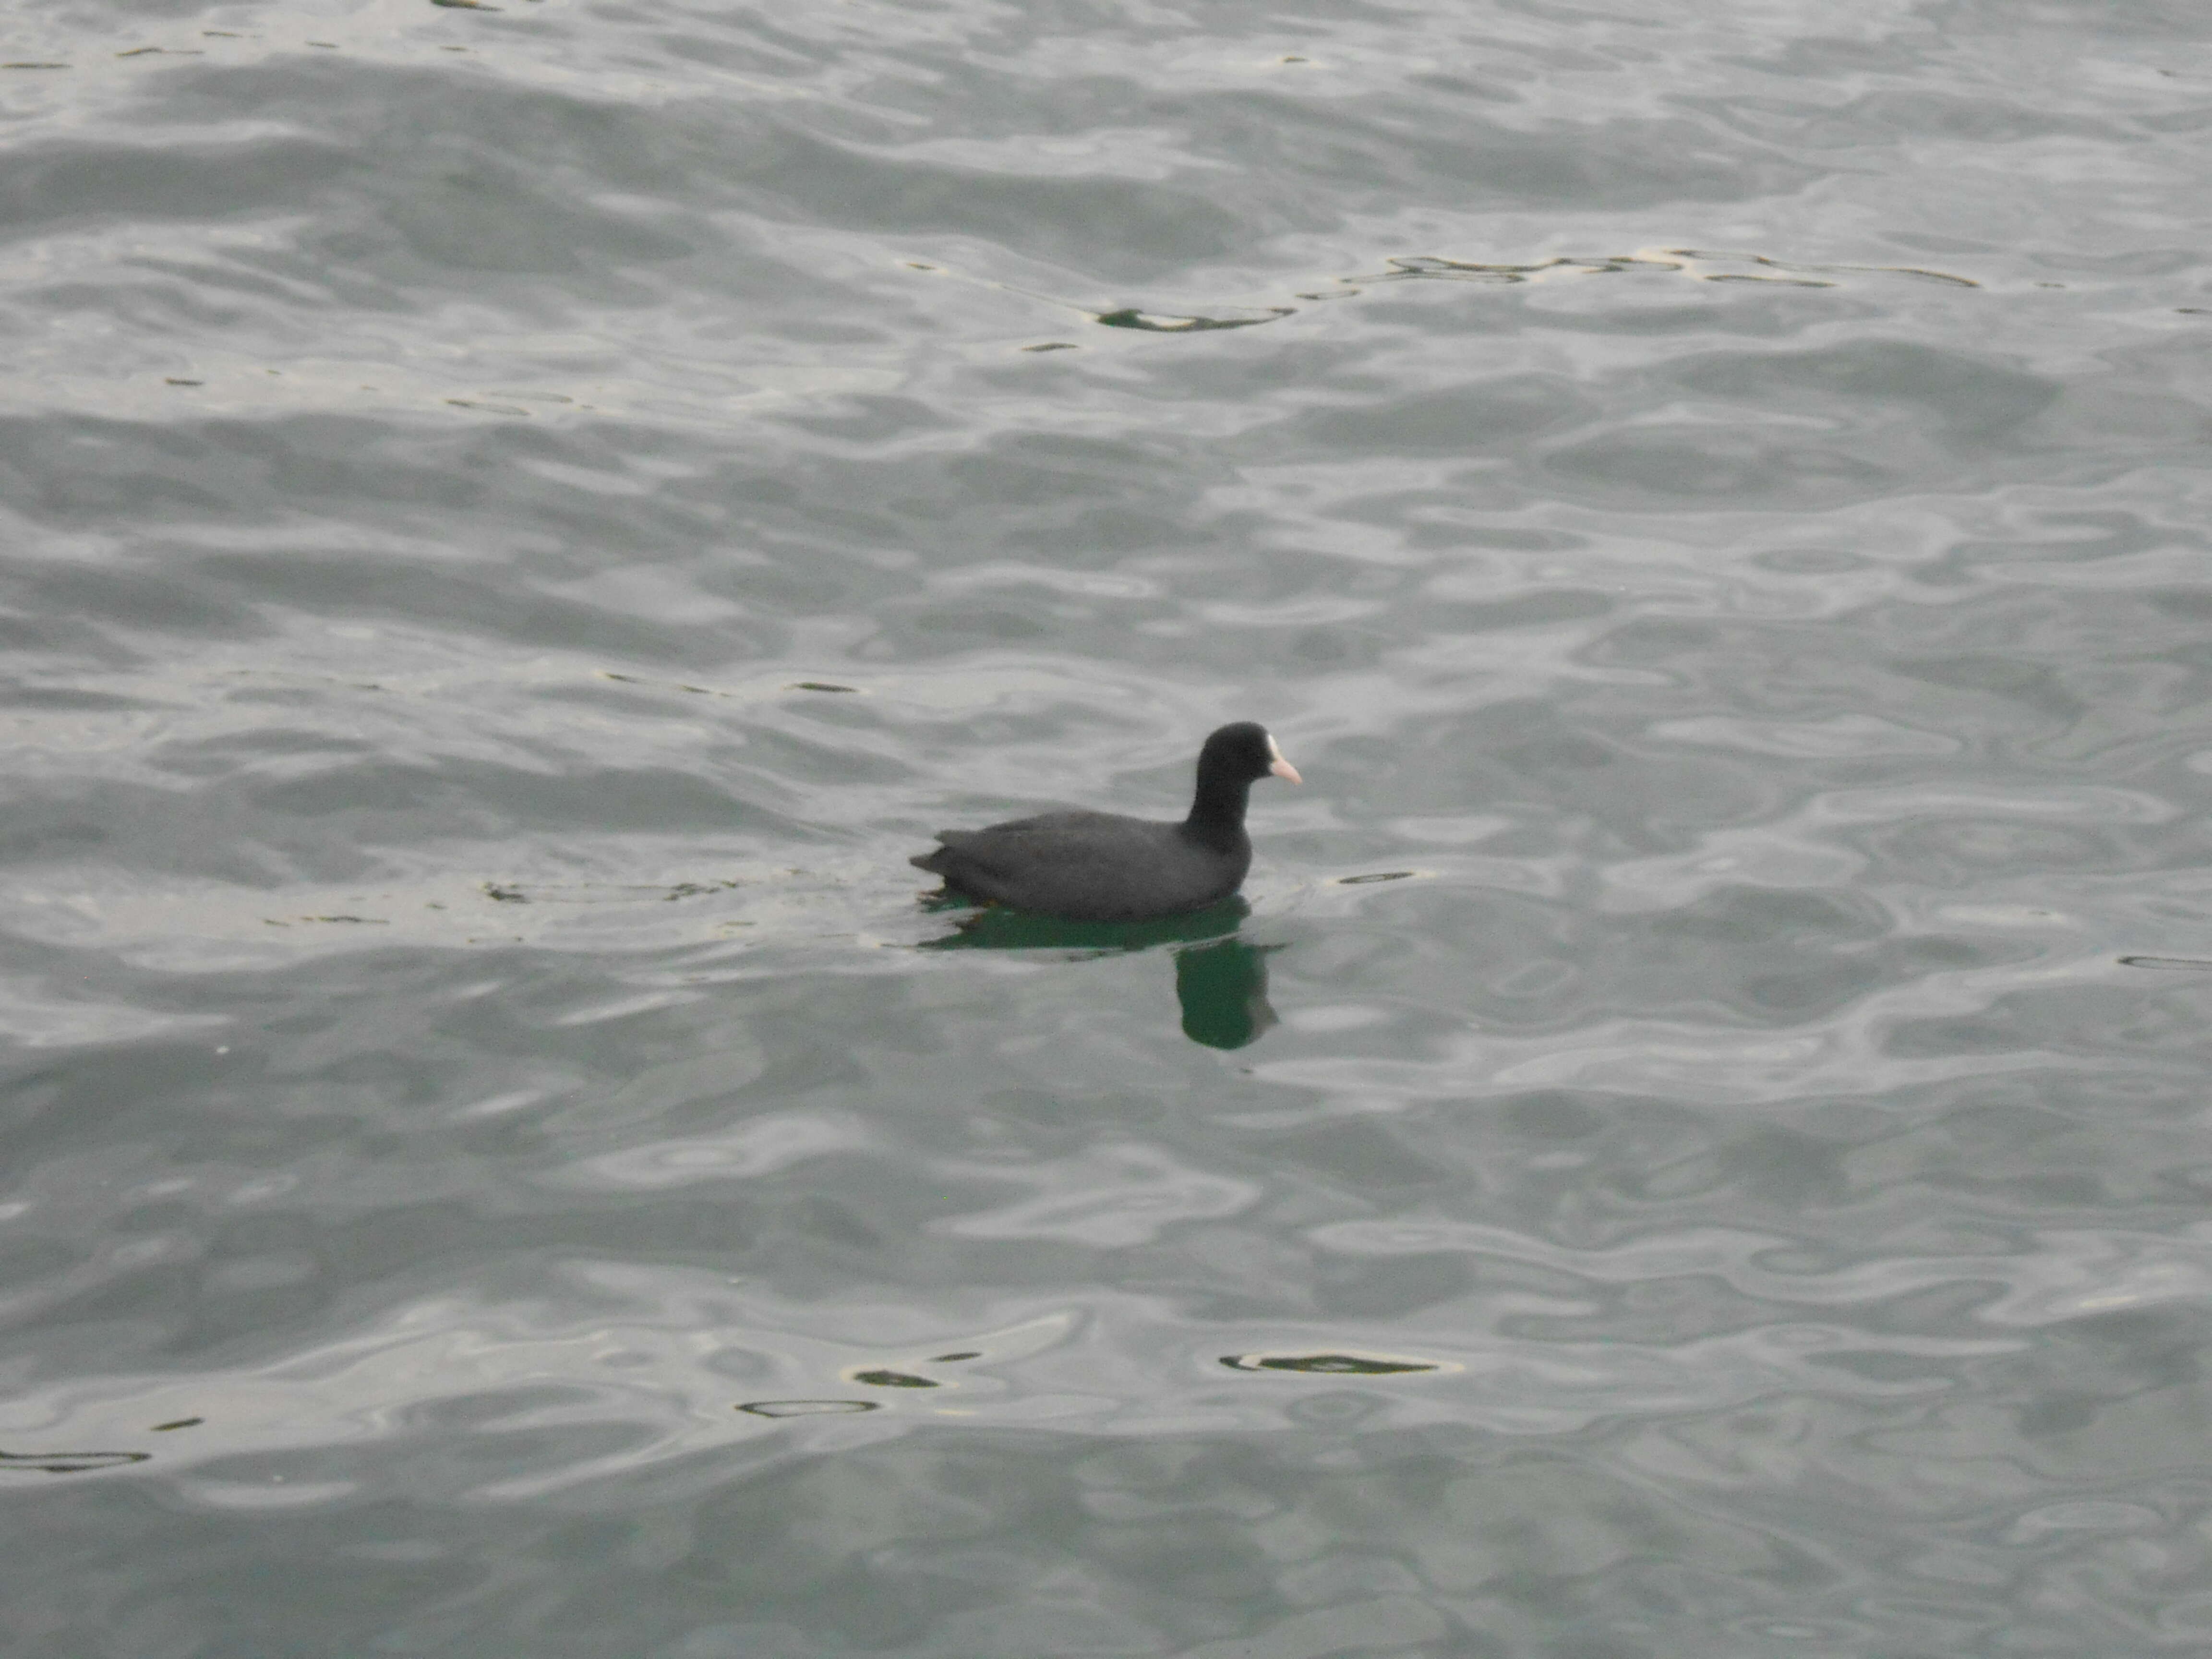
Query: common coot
[[1102, 866]]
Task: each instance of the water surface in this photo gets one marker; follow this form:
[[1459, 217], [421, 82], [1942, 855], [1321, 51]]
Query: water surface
[[520, 516]]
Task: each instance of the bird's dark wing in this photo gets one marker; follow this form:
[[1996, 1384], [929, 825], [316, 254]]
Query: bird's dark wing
[[1011, 848]]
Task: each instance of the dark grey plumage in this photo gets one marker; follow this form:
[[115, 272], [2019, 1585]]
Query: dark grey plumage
[[1103, 866]]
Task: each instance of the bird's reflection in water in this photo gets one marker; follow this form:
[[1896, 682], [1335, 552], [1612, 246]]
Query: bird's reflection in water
[[1223, 988], [1220, 981]]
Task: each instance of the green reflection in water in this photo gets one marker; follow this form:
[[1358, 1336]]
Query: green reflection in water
[[1223, 988], [1220, 981]]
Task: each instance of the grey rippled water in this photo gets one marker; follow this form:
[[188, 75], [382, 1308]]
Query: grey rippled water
[[521, 513]]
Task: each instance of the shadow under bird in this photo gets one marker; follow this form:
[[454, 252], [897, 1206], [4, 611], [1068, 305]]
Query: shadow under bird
[[1103, 866]]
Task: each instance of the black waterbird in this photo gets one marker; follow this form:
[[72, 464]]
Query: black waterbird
[[1103, 866]]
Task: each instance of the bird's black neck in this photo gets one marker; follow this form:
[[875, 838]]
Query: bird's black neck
[[1217, 812]]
